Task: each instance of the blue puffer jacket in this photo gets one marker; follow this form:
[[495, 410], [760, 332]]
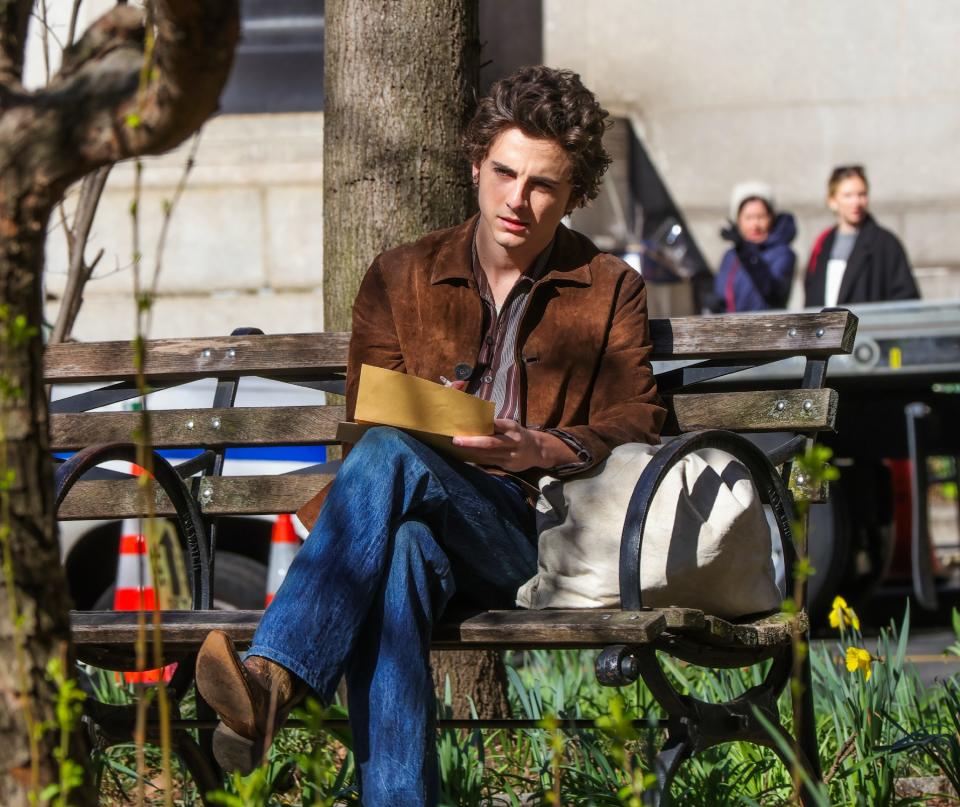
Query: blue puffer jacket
[[756, 277]]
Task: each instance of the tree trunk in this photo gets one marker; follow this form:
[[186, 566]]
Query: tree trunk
[[103, 106], [400, 82], [400, 79], [34, 624]]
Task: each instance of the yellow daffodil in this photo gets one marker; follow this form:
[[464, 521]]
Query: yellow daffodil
[[842, 615], [859, 659]]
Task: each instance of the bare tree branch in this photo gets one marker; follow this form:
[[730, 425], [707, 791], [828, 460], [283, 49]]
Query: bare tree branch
[[47, 33], [121, 27], [74, 14], [192, 59], [79, 272], [96, 105], [14, 16], [95, 112]]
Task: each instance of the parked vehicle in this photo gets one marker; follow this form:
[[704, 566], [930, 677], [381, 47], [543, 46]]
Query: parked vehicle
[[90, 548]]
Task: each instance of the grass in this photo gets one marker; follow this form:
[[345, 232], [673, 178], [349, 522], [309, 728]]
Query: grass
[[872, 731]]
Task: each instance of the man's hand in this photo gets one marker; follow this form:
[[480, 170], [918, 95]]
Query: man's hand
[[515, 448]]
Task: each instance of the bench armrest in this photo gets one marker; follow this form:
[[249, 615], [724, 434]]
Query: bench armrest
[[190, 524], [766, 478]]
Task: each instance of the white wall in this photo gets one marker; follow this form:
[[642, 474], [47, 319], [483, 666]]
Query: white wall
[[721, 92], [245, 245], [742, 89]]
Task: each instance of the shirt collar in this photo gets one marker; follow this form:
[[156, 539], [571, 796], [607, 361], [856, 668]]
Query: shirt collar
[[563, 259], [533, 274]]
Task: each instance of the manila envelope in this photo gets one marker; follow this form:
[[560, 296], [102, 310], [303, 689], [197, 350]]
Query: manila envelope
[[389, 398], [432, 413]]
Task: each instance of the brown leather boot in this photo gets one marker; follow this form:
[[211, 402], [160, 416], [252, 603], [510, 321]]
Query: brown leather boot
[[252, 697]]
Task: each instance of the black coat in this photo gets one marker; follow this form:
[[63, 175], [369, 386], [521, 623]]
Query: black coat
[[877, 270]]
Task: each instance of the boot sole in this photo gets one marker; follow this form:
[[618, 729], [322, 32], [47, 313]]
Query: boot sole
[[234, 752]]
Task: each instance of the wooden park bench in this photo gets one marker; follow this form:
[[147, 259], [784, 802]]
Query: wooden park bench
[[708, 407]]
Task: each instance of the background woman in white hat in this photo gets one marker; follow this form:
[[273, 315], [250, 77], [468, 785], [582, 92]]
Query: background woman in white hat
[[757, 271]]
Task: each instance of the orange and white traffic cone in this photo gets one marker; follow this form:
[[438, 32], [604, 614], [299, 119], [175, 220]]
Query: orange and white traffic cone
[[135, 591], [284, 544], [134, 586]]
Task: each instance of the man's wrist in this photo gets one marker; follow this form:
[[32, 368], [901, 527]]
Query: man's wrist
[[552, 450]]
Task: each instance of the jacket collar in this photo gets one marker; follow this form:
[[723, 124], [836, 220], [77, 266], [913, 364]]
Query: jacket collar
[[868, 231], [452, 260], [568, 261]]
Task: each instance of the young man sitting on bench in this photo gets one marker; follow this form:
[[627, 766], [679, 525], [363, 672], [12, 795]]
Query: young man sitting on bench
[[518, 310]]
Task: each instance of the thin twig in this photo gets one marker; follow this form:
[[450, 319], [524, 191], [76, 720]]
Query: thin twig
[[67, 232], [79, 271], [271, 718], [845, 750], [140, 730], [144, 305], [72, 29], [168, 209], [46, 40]]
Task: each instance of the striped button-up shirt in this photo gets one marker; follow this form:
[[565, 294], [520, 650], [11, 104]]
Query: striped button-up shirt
[[496, 376]]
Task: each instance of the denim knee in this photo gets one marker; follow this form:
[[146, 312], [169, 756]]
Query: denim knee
[[380, 440], [416, 553]]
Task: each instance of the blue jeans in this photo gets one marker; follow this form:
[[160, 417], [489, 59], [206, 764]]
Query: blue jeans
[[402, 529]]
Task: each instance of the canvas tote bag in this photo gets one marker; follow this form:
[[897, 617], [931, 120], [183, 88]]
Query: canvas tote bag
[[707, 542]]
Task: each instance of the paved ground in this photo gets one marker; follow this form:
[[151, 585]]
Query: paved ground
[[926, 652]]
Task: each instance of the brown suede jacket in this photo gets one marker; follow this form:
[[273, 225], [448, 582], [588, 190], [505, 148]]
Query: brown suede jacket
[[583, 343]]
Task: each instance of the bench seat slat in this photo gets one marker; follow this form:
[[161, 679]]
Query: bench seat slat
[[766, 410], [764, 632], [718, 643], [229, 495], [212, 428], [559, 628], [182, 629], [107, 638]]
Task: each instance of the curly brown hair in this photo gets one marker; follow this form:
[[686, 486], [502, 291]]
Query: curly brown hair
[[547, 103]]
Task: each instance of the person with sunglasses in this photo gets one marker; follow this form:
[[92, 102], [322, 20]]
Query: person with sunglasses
[[856, 260]]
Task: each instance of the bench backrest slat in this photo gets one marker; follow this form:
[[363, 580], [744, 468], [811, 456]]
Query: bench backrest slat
[[758, 336], [773, 410], [223, 356], [213, 428], [228, 495], [762, 411]]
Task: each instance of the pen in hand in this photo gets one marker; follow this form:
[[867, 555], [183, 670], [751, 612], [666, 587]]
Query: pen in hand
[[457, 385]]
